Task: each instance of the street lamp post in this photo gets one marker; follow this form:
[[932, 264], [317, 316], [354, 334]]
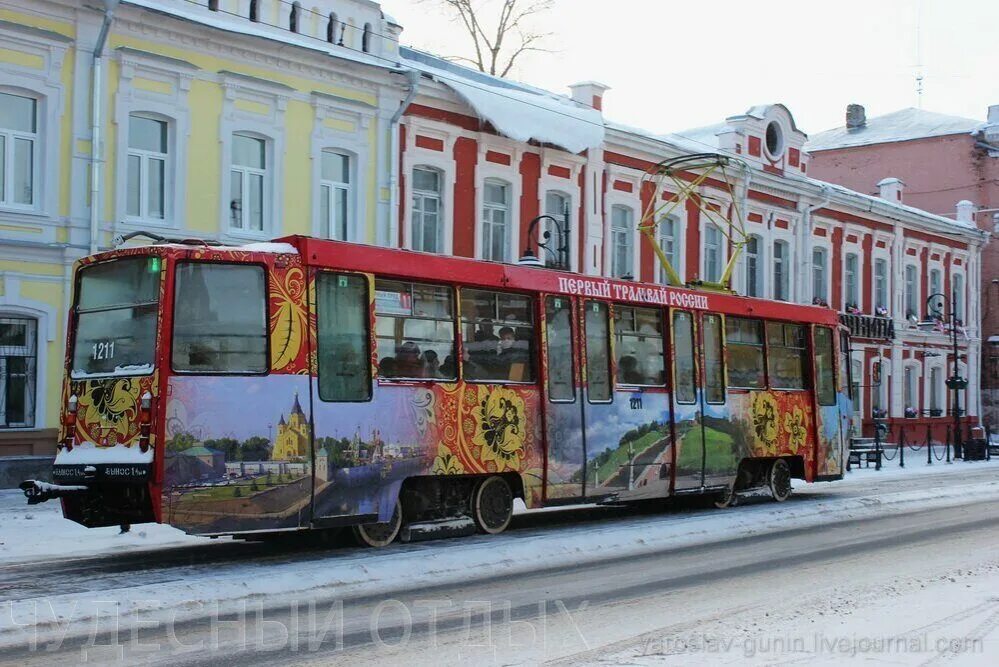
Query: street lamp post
[[935, 304], [560, 254]]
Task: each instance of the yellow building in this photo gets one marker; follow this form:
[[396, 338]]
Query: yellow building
[[293, 437], [236, 120]]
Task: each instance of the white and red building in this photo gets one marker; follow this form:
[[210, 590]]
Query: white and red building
[[872, 257]]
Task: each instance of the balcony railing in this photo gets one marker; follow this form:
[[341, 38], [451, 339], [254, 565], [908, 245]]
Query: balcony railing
[[866, 326]]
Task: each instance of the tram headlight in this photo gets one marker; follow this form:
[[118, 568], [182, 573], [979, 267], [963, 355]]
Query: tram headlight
[[70, 421]]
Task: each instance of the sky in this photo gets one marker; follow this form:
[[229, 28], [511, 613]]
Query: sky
[[677, 65]]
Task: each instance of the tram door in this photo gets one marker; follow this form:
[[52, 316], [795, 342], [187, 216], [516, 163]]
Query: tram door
[[687, 414], [563, 399]]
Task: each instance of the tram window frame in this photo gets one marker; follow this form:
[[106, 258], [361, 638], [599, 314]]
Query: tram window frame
[[365, 356], [693, 357], [606, 349], [568, 306], [774, 354], [827, 397], [620, 334], [452, 319], [496, 322], [266, 320], [721, 383], [845, 367], [730, 341]]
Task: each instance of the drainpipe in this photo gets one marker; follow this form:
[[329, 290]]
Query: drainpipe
[[413, 77], [95, 130]]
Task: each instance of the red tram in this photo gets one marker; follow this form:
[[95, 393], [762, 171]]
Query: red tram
[[308, 384]]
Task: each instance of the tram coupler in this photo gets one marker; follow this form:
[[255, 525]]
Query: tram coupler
[[38, 492]]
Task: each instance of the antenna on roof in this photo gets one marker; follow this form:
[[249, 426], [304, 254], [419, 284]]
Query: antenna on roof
[[919, 54]]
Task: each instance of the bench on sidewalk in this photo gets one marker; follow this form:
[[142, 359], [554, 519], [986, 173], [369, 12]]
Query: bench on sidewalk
[[864, 450]]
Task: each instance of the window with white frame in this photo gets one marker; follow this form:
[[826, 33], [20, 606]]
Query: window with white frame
[[148, 166], [335, 195], [911, 293], [496, 220], [851, 280], [18, 149], [881, 286], [558, 205], [753, 266], [666, 237], [249, 183], [910, 392], [820, 276], [712, 253], [427, 228], [936, 391], [782, 266], [622, 247], [18, 357], [958, 297], [935, 283]]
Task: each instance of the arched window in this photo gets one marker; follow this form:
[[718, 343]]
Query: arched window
[[331, 27], [254, 10], [296, 7], [366, 38], [427, 233], [911, 295], [335, 195], [936, 391], [666, 236], [18, 357], [622, 245], [712, 253], [19, 148], [752, 264], [851, 279], [910, 391], [559, 206], [782, 266], [496, 220], [958, 296], [820, 281], [881, 287]]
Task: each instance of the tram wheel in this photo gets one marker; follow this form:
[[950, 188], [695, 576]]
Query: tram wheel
[[727, 498], [779, 480], [492, 505], [380, 534]]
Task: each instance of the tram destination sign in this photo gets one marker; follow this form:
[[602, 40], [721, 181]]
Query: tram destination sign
[[605, 289]]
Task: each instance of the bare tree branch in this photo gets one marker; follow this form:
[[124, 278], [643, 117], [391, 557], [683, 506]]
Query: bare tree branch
[[497, 42]]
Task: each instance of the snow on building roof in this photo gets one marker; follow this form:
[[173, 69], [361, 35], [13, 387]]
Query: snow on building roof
[[903, 125], [518, 111]]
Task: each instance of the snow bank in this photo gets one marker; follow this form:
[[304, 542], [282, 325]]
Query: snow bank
[[360, 573]]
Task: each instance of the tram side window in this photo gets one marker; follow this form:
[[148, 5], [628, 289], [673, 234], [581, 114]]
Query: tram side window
[[220, 319], [497, 336], [558, 334], [825, 361], [786, 355], [844, 364], [685, 380], [414, 331], [638, 334], [342, 333], [744, 338], [598, 380], [714, 360]]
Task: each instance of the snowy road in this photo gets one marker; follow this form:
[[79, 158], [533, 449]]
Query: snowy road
[[880, 554]]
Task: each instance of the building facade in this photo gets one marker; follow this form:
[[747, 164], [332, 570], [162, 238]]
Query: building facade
[[947, 165], [243, 120]]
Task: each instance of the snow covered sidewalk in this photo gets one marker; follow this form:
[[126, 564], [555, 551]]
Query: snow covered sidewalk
[[350, 574]]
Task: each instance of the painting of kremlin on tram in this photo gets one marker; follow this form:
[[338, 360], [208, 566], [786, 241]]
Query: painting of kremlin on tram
[[243, 467]]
